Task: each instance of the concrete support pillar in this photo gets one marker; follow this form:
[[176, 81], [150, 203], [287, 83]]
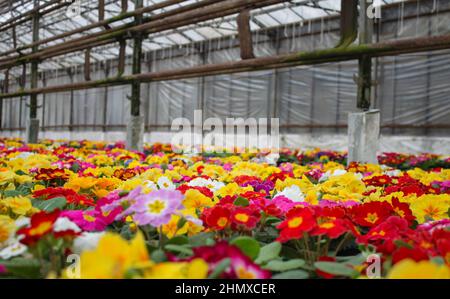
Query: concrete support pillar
[[135, 133], [32, 130], [363, 136]]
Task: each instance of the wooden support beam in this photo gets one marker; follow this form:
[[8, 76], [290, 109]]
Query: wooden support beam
[[101, 10], [137, 55], [124, 5], [122, 54], [364, 79], [87, 65], [349, 22], [23, 77], [6, 82], [14, 37], [397, 47], [34, 64], [245, 35]]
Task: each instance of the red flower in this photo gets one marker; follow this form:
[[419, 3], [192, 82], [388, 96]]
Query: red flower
[[279, 176], [204, 190], [48, 174], [245, 217], [372, 213], [40, 225], [378, 181], [217, 217], [71, 196], [298, 221], [242, 179], [330, 222], [416, 253], [402, 210]]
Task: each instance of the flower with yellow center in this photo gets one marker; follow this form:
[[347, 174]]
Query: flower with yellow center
[[430, 207], [409, 269], [19, 205], [195, 199], [114, 257], [7, 228], [195, 269]]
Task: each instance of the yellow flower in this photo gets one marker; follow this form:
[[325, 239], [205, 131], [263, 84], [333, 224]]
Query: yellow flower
[[430, 207], [196, 269], [19, 205], [77, 183], [232, 189], [114, 257], [171, 229], [195, 199], [6, 176], [7, 228], [409, 269]]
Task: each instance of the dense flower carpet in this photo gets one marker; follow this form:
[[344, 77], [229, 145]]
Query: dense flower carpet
[[95, 210]]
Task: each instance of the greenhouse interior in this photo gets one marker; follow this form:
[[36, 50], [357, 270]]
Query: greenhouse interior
[[225, 139]]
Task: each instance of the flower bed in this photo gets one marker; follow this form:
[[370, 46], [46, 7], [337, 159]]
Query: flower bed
[[95, 210]]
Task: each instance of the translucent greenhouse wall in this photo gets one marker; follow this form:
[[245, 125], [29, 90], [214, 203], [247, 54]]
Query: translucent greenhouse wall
[[412, 91]]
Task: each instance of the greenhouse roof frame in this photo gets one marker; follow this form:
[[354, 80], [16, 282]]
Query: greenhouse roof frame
[[57, 22]]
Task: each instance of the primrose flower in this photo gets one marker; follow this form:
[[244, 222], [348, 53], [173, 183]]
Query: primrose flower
[[157, 207], [293, 193]]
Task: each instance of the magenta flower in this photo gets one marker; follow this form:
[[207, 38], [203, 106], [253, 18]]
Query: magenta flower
[[157, 207], [91, 220]]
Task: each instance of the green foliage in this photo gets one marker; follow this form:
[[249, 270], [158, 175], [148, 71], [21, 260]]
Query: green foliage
[[249, 246]]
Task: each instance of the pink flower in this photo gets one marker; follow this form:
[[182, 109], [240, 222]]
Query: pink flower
[[91, 220], [157, 207], [284, 203]]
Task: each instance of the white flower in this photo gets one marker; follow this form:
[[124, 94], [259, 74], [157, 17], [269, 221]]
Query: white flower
[[87, 241], [293, 193], [271, 159], [165, 183], [64, 224], [394, 172], [329, 174], [15, 249], [150, 185], [208, 183], [22, 222]]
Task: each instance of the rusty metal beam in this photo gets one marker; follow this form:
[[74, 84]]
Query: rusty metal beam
[[245, 35], [263, 63]]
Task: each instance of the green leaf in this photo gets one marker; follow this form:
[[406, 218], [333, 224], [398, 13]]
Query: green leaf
[[11, 193], [200, 239], [179, 249], [158, 256], [401, 243], [294, 274], [241, 201], [220, 268], [181, 223], [249, 246], [51, 204], [281, 266], [23, 267], [268, 252], [336, 269], [178, 240]]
